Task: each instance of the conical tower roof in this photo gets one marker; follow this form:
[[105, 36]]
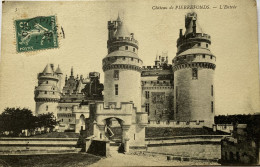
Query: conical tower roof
[[58, 70], [122, 31], [47, 69]]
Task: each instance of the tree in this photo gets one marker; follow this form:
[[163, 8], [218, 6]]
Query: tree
[[46, 120], [16, 120]]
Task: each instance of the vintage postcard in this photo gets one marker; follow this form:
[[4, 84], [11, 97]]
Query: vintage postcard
[[129, 83]]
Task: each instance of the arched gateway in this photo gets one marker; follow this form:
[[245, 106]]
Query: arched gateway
[[132, 123]]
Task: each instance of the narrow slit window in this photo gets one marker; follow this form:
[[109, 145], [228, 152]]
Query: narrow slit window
[[212, 106], [126, 47], [116, 74], [147, 94], [116, 89], [194, 73], [147, 108]]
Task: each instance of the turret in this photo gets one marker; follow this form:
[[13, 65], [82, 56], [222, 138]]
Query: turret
[[47, 93], [59, 73], [193, 68], [122, 66]]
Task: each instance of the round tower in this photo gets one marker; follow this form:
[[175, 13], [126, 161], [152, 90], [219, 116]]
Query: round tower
[[193, 67], [122, 67], [47, 93]]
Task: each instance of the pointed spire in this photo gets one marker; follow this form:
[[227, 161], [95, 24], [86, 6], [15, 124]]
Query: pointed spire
[[71, 72], [122, 31], [118, 17], [58, 70], [47, 69]]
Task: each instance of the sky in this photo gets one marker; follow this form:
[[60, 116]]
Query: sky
[[233, 33]]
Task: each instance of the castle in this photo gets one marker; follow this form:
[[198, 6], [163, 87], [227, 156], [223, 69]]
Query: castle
[[135, 95]]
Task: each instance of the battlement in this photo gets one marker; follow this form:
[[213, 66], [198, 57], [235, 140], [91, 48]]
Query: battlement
[[177, 124], [157, 83], [122, 39], [125, 111], [194, 36], [152, 68], [53, 76], [125, 107]]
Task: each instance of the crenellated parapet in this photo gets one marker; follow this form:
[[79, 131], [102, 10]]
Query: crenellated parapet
[[189, 38], [177, 124], [159, 83], [122, 66], [119, 41], [125, 112], [195, 65]]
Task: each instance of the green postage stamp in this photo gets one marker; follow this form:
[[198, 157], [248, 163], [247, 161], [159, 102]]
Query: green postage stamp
[[36, 33]]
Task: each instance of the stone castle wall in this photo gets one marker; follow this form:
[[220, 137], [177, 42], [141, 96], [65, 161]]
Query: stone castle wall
[[193, 97], [129, 87]]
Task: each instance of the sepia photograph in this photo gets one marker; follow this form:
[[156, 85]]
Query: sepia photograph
[[129, 83]]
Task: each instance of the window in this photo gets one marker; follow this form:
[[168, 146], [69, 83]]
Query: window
[[207, 45], [53, 93], [203, 56], [69, 120], [61, 120], [211, 90], [45, 92], [47, 82], [147, 108], [194, 73], [176, 88], [126, 47], [66, 108], [210, 57], [132, 59], [147, 94], [116, 89], [47, 107], [134, 49], [123, 58], [194, 56], [212, 106], [116, 74], [198, 44]]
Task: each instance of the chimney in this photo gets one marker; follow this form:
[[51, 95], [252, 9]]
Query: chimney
[[52, 67], [194, 26], [180, 33]]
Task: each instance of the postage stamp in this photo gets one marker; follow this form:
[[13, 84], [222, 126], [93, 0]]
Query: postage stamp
[[36, 33]]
